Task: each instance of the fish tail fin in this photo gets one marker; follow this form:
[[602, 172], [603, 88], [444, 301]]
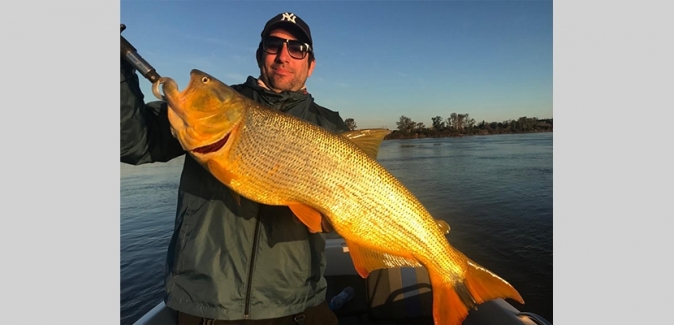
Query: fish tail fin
[[450, 306], [452, 301], [485, 285]]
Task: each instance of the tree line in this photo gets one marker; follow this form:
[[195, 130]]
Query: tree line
[[460, 125]]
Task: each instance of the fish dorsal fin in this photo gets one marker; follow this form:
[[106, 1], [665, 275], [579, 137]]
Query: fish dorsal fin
[[308, 215], [367, 139], [366, 260]]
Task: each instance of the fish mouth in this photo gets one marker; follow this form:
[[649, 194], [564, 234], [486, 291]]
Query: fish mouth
[[168, 85], [212, 147]]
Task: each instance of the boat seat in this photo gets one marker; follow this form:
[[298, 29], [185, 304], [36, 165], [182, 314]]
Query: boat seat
[[358, 304], [401, 293], [404, 296]]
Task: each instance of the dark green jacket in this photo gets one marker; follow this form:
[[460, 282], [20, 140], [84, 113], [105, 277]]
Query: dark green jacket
[[226, 261]]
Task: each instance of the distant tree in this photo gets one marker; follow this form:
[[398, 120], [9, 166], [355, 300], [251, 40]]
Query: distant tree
[[468, 122], [405, 124], [351, 124], [460, 121], [526, 124], [510, 125], [452, 121], [438, 123], [463, 124]]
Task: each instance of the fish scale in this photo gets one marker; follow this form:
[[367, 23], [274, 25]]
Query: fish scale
[[310, 174], [274, 158]]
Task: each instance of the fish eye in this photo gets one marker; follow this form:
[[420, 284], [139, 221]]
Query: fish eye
[[205, 79]]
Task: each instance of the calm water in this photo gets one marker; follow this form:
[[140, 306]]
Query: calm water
[[494, 191]]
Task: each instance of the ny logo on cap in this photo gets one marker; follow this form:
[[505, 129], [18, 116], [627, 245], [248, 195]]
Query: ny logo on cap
[[289, 16]]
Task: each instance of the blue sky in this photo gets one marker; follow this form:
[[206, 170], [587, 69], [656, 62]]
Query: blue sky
[[376, 60]]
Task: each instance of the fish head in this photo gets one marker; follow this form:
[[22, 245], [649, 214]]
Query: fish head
[[204, 113]]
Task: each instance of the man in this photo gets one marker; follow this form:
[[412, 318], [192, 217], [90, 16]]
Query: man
[[229, 263]]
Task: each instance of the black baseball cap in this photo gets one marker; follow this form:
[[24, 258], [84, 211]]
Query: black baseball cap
[[294, 23]]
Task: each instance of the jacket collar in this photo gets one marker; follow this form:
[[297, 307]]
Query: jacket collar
[[277, 100]]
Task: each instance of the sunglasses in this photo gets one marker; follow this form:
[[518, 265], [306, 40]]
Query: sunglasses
[[296, 49]]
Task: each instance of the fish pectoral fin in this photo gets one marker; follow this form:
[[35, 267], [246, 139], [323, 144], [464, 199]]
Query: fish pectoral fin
[[224, 176], [308, 215], [366, 260], [367, 139], [220, 172]]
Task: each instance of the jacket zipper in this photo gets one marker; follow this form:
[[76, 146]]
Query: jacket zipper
[[246, 310]]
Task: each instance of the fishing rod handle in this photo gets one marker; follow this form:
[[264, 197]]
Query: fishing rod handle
[[129, 53]]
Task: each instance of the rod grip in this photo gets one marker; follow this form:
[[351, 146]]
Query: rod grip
[[129, 53]]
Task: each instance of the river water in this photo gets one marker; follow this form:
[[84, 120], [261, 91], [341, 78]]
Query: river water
[[495, 192]]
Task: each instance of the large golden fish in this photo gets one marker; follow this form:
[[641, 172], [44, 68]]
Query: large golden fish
[[277, 159]]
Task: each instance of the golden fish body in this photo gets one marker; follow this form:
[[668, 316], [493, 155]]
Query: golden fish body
[[277, 159]]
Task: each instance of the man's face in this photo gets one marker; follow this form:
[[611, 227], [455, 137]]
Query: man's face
[[281, 71]]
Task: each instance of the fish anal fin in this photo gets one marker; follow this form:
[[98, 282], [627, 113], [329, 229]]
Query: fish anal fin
[[368, 140], [308, 215], [366, 260]]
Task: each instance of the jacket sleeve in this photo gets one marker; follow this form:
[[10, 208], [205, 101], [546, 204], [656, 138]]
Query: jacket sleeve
[[336, 124], [340, 125], [145, 134]]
